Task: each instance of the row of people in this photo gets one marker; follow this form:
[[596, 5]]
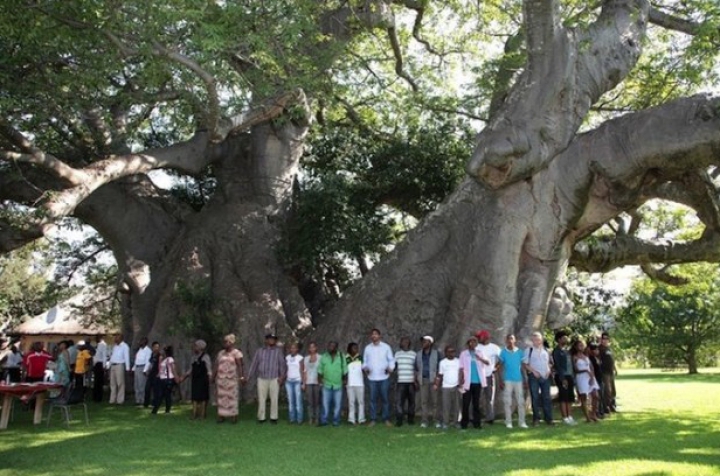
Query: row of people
[[459, 382], [463, 382]]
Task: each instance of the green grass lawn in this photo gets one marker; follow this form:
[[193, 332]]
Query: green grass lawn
[[669, 424]]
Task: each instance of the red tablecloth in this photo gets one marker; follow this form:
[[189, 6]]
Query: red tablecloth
[[24, 391]]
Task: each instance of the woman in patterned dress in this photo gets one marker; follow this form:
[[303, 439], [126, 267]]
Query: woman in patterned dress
[[229, 373]]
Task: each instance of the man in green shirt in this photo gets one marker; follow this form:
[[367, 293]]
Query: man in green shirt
[[331, 373]]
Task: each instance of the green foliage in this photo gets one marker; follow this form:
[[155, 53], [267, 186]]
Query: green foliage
[[25, 287], [194, 191], [675, 325], [200, 316], [594, 307], [358, 188]]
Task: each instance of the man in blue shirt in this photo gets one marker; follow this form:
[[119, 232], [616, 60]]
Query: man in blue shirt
[[511, 381]]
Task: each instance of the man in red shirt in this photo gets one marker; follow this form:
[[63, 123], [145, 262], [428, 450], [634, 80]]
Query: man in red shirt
[[35, 362]]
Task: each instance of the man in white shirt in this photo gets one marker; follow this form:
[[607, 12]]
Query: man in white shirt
[[492, 353], [119, 364], [99, 361], [142, 357], [536, 364], [378, 364]]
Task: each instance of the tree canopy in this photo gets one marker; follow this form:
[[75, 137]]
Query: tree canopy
[[675, 325]]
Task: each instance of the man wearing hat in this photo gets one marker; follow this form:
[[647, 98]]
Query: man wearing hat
[[473, 381], [492, 353], [269, 367], [427, 362]]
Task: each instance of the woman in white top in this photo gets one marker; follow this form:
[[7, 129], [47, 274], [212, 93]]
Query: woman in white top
[[355, 384], [294, 383], [165, 381], [585, 381], [311, 384]]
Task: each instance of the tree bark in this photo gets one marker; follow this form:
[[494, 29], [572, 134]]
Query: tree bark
[[691, 358], [489, 259]]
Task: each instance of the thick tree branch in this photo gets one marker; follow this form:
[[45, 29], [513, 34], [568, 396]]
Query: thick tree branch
[[620, 162], [540, 21], [606, 254], [267, 111], [567, 72], [33, 155], [695, 190], [671, 22]]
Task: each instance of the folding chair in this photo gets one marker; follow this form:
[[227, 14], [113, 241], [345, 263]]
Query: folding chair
[[70, 397]]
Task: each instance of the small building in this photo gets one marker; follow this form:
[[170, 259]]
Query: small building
[[67, 320]]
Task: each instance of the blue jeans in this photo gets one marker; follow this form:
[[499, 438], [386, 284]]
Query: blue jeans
[[540, 395], [332, 397], [381, 387], [295, 401]]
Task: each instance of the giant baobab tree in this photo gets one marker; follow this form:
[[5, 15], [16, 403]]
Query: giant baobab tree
[[96, 97]]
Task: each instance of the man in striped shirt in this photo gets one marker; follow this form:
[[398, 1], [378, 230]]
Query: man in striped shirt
[[269, 367], [406, 384]]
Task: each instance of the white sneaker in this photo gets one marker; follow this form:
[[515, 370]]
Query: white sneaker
[[523, 425], [570, 421], [508, 425], [438, 425], [423, 425]]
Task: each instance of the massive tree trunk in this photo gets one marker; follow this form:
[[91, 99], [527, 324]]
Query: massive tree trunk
[[226, 253], [491, 258], [188, 274]]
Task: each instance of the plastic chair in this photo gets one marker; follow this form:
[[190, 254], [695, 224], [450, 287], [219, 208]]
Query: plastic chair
[[67, 399]]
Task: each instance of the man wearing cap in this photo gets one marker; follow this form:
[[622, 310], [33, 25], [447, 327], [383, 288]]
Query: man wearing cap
[[427, 362], [492, 354], [473, 381], [269, 367]]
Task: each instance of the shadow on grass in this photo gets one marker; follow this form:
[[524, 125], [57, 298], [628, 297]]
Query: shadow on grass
[[128, 441]]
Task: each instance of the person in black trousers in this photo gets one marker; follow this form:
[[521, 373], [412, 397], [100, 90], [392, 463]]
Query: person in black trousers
[[471, 361], [165, 381], [99, 359], [151, 372]]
